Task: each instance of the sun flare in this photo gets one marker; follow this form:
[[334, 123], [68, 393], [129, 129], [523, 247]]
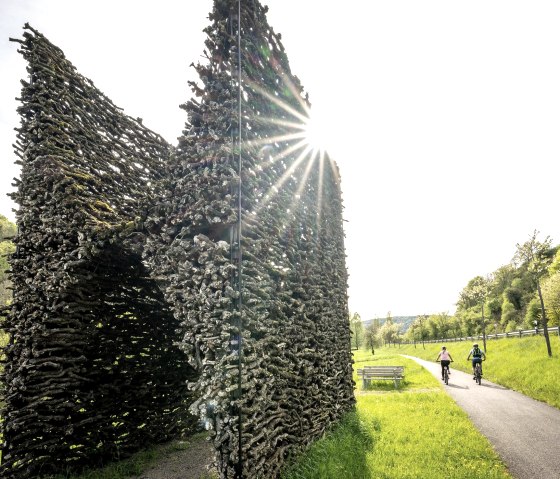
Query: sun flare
[[319, 132]]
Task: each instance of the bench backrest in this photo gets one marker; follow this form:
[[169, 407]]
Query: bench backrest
[[382, 368], [393, 370]]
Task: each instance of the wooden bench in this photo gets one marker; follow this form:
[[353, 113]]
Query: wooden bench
[[380, 373]]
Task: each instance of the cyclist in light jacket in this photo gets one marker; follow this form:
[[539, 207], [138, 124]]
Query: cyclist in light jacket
[[445, 359]]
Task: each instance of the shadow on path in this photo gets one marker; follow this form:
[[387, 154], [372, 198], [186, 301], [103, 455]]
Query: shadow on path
[[456, 386]]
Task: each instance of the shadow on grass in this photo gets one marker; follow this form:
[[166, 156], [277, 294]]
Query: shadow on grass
[[341, 453], [386, 386]]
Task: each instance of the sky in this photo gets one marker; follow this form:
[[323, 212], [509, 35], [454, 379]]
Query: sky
[[444, 118]]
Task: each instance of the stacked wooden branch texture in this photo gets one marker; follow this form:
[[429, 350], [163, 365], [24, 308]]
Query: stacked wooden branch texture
[[91, 369], [267, 399], [155, 285]]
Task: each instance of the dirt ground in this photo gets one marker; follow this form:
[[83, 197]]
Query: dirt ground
[[192, 462]]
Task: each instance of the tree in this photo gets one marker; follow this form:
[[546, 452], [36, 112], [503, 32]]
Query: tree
[[7, 232], [371, 334], [473, 297], [555, 265], [389, 318], [443, 323], [455, 326], [357, 328], [420, 322], [533, 313], [551, 294], [481, 293], [510, 315], [389, 332], [537, 256], [473, 293], [8, 229]]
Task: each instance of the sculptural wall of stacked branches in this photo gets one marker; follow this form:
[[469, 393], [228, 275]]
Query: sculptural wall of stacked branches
[[91, 371], [239, 256], [286, 297]]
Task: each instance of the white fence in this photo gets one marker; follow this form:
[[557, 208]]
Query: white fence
[[511, 334]]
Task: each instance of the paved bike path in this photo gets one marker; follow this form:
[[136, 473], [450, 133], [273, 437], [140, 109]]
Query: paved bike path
[[524, 432]]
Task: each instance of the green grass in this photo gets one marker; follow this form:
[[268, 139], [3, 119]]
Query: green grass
[[521, 364], [415, 432]]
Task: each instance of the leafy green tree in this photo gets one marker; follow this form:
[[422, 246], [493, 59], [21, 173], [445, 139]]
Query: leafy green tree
[[555, 264], [551, 295], [433, 327], [357, 328], [510, 316], [389, 332], [536, 255], [473, 293], [494, 308], [371, 334], [7, 247], [533, 313], [389, 318], [482, 291], [514, 294], [418, 330], [473, 298], [455, 327], [7, 229], [444, 324], [502, 279]]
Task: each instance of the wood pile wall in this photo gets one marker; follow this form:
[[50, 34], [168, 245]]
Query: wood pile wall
[[291, 377], [91, 369], [153, 284]]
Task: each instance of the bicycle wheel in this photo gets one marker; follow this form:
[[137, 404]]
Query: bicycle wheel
[[478, 374], [446, 376]]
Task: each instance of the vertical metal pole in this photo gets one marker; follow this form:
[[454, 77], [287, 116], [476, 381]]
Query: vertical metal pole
[[239, 472]]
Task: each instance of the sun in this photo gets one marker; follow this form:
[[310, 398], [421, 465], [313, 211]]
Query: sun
[[319, 131]]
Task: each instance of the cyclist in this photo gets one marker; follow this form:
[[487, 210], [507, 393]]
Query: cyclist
[[477, 357], [445, 359]]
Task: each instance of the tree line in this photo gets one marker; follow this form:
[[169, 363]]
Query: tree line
[[523, 294]]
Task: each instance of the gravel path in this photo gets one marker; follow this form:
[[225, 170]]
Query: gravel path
[[190, 463], [524, 432]]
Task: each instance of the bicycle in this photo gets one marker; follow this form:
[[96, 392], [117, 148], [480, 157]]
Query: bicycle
[[446, 373], [478, 373]]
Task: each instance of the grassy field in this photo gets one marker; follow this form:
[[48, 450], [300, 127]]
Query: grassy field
[[414, 432], [521, 364]]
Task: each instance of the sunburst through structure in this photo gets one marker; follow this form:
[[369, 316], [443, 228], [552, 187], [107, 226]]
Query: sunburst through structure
[[274, 202], [237, 243], [299, 136]]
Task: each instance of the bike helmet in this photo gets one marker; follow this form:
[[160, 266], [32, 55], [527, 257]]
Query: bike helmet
[[475, 345]]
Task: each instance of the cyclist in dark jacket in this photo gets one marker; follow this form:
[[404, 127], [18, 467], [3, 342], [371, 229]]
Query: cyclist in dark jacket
[[477, 357]]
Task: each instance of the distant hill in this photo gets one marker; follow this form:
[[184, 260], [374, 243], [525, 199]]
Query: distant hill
[[403, 321]]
